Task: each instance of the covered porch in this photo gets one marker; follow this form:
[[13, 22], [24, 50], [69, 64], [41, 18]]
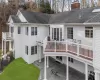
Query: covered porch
[[57, 71], [46, 66], [7, 42]]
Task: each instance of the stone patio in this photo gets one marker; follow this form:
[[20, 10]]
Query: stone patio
[[60, 69]]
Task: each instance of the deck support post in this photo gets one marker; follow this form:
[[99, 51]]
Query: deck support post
[[67, 69], [2, 47], [45, 69], [5, 47], [86, 71], [47, 61], [97, 75]]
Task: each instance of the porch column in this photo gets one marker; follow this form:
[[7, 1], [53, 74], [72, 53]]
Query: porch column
[[13, 49], [9, 45], [47, 61], [86, 71], [2, 47], [45, 71], [40, 54], [67, 69], [5, 47]]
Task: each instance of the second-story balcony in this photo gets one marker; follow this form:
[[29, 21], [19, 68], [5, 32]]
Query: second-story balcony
[[7, 36], [81, 50]]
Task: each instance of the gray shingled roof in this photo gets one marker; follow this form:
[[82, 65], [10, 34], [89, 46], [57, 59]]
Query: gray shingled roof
[[36, 17], [15, 19], [94, 19], [73, 16]]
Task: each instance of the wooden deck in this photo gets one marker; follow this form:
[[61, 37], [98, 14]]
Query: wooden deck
[[69, 48]]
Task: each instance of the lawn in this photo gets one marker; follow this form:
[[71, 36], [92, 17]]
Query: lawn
[[20, 70]]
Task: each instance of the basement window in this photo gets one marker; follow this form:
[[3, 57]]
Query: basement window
[[89, 32], [33, 50], [70, 60]]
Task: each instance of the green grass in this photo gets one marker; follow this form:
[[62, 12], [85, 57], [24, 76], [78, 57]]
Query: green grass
[[20, 70]]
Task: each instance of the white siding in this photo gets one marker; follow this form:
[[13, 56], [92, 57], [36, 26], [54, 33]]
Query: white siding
[[79, 34], [96, 48], [22, 40]]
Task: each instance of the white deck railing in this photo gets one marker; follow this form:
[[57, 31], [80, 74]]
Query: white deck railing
[[68, 46], [7, 35]]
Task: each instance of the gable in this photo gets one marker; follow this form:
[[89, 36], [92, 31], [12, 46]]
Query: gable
[[21, 17]]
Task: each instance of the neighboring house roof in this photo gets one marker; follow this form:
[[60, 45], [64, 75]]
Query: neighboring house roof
[[73, 16], [15, 19]]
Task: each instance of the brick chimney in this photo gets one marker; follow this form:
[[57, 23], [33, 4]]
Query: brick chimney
[[75, 5]]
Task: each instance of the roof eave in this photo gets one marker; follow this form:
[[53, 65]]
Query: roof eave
[[94, 23], [52, 24]]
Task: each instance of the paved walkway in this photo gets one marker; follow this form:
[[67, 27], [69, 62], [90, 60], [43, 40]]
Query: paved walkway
[[60, 69]]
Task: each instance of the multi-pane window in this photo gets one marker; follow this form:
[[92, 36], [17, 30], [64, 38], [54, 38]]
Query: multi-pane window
[[89, 32], [26, 30], [26, 50], [19, 30], [33, 50], [33, 30], [70, 33]]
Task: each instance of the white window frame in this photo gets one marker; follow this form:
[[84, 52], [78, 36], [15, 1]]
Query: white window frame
[[26, 50], [19, 30], [34, 31], [34, 51], [89, 32], [26, 30], [69, 34]]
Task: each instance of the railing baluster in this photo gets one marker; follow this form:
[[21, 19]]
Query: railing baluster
[[55, 45], [66, 46], [78, 49]]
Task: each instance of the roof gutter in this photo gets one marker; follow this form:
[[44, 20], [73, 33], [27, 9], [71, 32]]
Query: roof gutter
[[68, 24]]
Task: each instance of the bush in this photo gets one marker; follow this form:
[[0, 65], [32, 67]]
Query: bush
[[10, 54]]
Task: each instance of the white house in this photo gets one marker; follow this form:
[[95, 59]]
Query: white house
[[74, 38]]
